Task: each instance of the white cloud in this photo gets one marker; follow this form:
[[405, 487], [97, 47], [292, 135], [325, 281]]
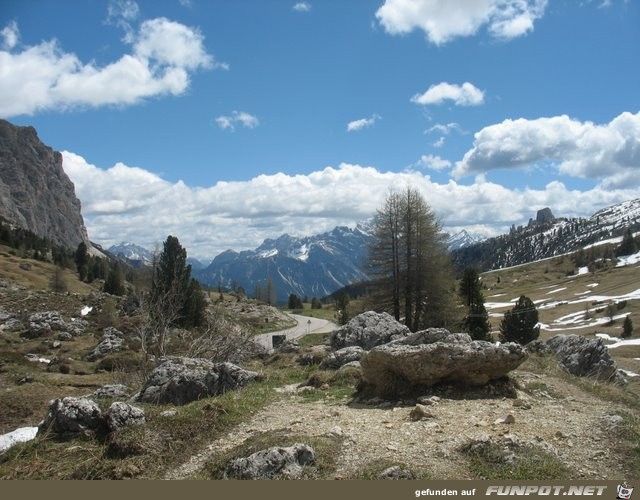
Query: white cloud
[[10, 36], [609, 152], [444, 20], [433, 162], [237, 118], [302, 7], [362, 123], [440, 142], [444, 128], [466, 94], [127, 203], [44, 77]]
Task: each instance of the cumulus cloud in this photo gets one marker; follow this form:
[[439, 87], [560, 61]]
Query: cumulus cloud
[[433, 162], [466, 94], [444, 128], [608, 152], [128, 203], [10, 36], [43, 76], [362, 123], [237, 118], [302, 7], [444, 20]]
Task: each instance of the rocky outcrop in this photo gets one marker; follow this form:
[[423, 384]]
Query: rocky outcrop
[[69, 418], [404, 365], [112, 341], [35, 192], [582, 357], [368, 330], [268, 464], [121, 415], [341, 357], [182, 380], [112, 391]]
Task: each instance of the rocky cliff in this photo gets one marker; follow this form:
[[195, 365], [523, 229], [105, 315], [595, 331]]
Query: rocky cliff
[[35, 192]]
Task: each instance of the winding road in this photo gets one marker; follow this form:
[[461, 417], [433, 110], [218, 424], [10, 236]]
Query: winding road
[[305, 325]]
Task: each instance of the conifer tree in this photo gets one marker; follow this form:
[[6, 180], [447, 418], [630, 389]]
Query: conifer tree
[[476, 321], [521, 323]]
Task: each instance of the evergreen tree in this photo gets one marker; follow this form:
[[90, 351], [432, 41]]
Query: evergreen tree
[[628, 246], [114, 283], [81, 258], [316, 303], [193, 310], [342, 307], [627, 327], [476, 322], [294, 302], [520, 324]]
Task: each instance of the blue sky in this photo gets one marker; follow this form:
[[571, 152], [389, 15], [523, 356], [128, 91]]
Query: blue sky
[[228, 122]]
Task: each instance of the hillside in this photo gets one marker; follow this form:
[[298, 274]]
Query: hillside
[[548, 238]]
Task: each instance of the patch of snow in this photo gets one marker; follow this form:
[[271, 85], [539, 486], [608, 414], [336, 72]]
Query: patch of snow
[[628, 260], [20, 435], [624, 342], [583, 293], [268, 253], [593, 285], [86, 310], [497, 305], [627, 373], [583, 270], [605, 336], [497, 295], [556, 290]]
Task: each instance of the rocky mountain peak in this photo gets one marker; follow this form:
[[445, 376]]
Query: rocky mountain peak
[[35, 192]]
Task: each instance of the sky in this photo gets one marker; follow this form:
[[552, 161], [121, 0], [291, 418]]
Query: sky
[[225, 123]]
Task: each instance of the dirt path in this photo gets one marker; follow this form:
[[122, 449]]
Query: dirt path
[[562, 419]]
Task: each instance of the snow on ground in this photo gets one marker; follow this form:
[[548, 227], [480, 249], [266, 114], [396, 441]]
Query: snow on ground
[[605, 336], [556, 290], [622, 343], [628, 260], [593, 285], [627, 373], [583, 270], [497, 305], [497, 295], [86, 310], [20, 435]]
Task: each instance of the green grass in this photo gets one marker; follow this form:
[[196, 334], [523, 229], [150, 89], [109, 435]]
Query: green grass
[[492, 461], [313, 339]]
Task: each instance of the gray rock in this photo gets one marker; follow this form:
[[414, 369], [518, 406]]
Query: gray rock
[[56, 344], [182, 380], [341, 357], [276, 461], [121, 415], [396, 473], [35, 192], [583, 357], [43, 323], [11, 325], [432, 335], [397, 368], [612, 422], [64, 336], [368, 330], [112, 391], [350, 364], [73, 417], [289, 346], [112, 341], [420, 412], [77, 326]]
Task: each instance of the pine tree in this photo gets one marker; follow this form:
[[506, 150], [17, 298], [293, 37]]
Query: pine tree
[[114, 283], [294, 302], [520, 324], [476, 322], [81, 258], [628, 246], [316, 303], [342, 307], [627, 327]]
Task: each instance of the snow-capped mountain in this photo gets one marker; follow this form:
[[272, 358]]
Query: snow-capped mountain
[[133, 254], [557, 236], [313, 266], [462, 239]]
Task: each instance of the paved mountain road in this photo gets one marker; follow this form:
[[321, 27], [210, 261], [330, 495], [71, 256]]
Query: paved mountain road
[[305, 325]]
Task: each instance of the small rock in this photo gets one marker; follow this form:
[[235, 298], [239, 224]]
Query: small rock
[[508, 419], [267, 464], [335, 432], [112, 391], [121, 415], [519, 403], [420, 412], [428, 400], [168, 413], [56, 344], [396, 473], [65, 336], [611, 422]]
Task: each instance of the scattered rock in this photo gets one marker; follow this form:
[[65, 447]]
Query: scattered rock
[[368, 330], [180, 380], [112, 341], [289, 346], [64, 336], [73, 417], [56, 344], [168, 413], [520, 403], [397, 368], [11, 325], [612, 422], [121, 415], [420, 412], [396, 473], [428, 400], [112, 391], [273, 462], [341, 357], [43, 323]]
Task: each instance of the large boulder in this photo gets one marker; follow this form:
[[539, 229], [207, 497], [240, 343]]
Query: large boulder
[[73, 417], [341, 357], [267, 464], [368, 330], [583, 357], [121, 415], [112, 341], [180, 380], [401, 366], [43, 323]]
